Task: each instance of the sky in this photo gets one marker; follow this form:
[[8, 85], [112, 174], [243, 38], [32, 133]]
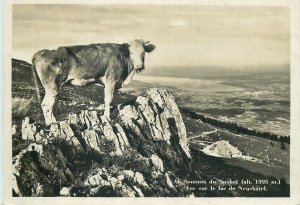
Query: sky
[[223, 36]]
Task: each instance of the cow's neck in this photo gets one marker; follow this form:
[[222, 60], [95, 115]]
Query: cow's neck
[[130, 68], [129, 78], [130, 72]]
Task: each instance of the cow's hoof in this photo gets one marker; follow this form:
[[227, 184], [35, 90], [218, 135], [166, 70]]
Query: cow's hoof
[[49, 126]]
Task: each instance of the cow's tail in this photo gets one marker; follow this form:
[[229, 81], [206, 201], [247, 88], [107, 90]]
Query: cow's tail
[[35, 75]]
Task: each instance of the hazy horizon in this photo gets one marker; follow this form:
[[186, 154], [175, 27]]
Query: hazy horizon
[[234, 37]]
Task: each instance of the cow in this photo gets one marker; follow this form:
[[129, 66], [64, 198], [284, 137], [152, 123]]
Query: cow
[[108, 64]]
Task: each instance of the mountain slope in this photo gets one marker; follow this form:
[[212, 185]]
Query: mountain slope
[[200, 167]]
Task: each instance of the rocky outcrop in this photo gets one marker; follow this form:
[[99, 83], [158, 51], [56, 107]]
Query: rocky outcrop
[[139, 152]]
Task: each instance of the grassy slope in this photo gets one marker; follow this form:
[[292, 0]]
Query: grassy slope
[[254, 146]]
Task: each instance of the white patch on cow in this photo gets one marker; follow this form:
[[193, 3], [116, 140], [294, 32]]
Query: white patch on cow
[[82, 82], [129, 78], [102, 80]]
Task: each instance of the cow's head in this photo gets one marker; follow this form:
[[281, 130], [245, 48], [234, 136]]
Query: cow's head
[[137, 49]]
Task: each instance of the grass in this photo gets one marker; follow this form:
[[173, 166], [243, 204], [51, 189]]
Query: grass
[[22, 107], [270, 171], [26, 107]]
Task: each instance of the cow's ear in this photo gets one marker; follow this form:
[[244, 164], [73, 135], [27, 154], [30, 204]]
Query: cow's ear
[[149, 48]]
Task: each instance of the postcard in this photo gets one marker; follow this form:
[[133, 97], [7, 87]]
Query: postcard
[[151, 102]]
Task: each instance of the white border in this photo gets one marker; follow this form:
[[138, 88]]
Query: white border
[[295, 108]]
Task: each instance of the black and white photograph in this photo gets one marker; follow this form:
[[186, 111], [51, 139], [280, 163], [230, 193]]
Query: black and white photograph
[[150, 100]]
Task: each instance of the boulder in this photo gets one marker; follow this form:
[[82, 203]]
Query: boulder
[[139, 178], [65, 191], [28, 130], [157, 163]]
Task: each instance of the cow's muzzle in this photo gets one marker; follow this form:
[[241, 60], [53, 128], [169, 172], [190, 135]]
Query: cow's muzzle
[[139, 69]]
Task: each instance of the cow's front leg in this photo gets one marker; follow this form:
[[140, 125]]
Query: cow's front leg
[[108, 96], [47, 106]]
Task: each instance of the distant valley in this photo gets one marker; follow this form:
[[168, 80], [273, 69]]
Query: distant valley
[[256, 100]]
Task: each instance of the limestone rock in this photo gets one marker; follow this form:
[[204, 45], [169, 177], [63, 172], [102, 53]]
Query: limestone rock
[[139, 178], [113, 182], [65, 191], [37, 160], [55, 130], [121, 177], [28, 130], [169, 181], [128, 173], [157, 162], [39, 190], [126, 191], [139, 191], [91, 139], [14, 130], [150, 126], [167, 102], [154, 120]]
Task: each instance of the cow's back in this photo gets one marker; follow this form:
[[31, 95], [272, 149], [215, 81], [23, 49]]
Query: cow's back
[[90, 61], [82, 62]]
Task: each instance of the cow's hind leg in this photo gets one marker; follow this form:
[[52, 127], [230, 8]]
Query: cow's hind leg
[[51, 77], [48, 104]]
